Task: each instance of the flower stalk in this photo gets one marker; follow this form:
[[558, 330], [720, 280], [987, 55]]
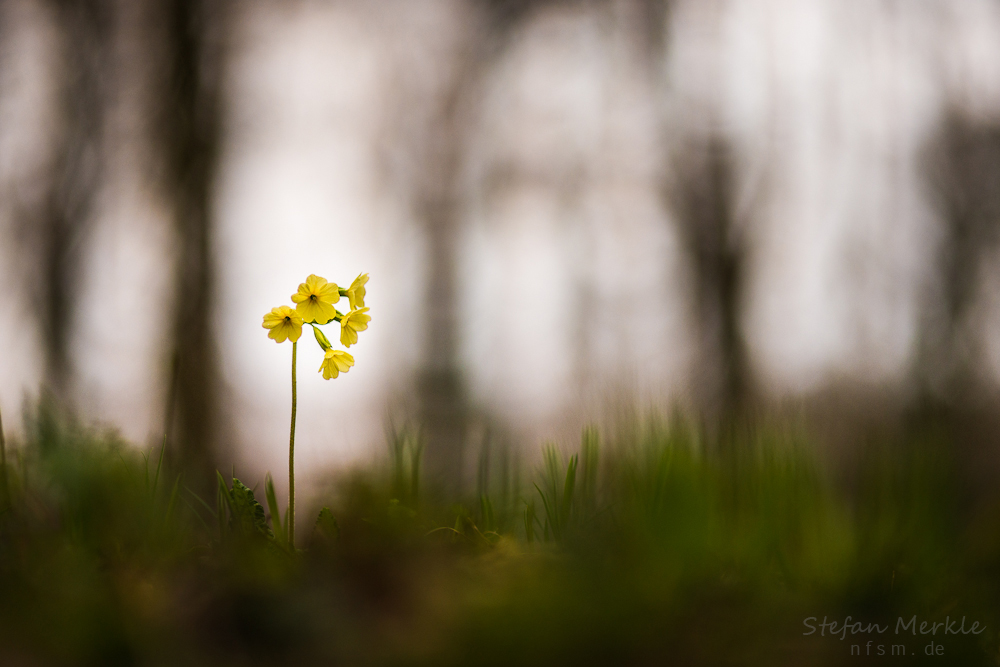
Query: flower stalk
[[314, 305], [291, 456]]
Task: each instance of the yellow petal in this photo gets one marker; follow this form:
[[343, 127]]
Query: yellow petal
[[327, 310], [348, 336], [356, 293], [330, 367], [360, 319], [315, 282], [329, 293], [315, 311], [277, 316], [343, 360]]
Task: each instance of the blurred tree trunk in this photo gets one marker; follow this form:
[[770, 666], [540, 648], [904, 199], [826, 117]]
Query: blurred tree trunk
[[704, 197], [954, 395], [965, 176], [443, 407], [444, 412], [701, 190], [656, 16], [85, 27], [191, 39]]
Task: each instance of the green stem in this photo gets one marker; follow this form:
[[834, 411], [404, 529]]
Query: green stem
[[291, 458]]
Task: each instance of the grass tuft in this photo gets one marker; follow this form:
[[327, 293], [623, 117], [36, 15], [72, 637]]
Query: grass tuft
[[644, 546]]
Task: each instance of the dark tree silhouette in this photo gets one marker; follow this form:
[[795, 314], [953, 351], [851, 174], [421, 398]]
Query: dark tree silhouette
[[85, 27], [703, 194], [443, 407], [951, 396], [964, 172], [192, 37]]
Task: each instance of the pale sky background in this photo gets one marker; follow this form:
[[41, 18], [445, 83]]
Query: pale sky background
[[573, 285]]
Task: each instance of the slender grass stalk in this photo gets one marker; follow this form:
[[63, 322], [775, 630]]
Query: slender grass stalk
[[290, 521], [3, 465], [272, 506]]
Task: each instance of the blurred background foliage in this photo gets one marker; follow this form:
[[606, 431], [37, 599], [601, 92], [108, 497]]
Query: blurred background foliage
[[642, 546], [566, 207]]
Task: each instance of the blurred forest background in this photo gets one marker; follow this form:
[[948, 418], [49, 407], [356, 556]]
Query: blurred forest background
[[566, 207]]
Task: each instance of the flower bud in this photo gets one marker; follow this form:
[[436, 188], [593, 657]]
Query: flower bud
[[321, 339]]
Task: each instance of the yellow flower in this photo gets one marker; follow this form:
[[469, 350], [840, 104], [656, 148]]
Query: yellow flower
[[335, 362], [315, 298], [351, 324], [283, 323], [356, 292]]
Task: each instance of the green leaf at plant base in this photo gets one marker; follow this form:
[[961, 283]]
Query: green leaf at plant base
[[326, 529], [248, 514]]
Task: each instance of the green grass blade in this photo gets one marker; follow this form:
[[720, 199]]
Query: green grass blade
[[159, 464], [488, 519], [568, 488], [272, 507], [589, 461], [222, 500], [194, 510], [121, 458], [208, 507], [548, 509], [416, 455], [173, 499], [529, 521]]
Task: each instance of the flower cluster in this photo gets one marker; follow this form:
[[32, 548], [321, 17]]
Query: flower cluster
[[314, 305]]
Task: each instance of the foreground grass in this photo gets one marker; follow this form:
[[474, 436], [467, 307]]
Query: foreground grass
[[636, 549]]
